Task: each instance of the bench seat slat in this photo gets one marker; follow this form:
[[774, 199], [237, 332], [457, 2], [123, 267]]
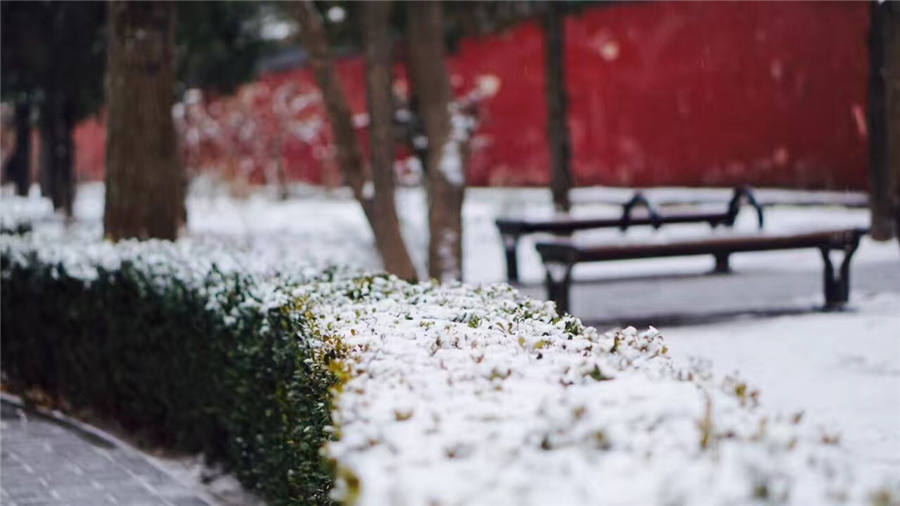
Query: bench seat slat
[[833, 239]]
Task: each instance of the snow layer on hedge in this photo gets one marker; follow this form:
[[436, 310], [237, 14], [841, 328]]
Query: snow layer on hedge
[[477, 396], [159, 261]]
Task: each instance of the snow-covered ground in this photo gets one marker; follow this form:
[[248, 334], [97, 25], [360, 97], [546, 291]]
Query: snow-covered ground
[[841, 369], [336, 225]]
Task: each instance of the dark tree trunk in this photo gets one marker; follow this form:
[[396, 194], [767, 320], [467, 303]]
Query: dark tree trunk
[[379, 97], [892, 107], [18, 166], [882, 118], [144, 178], [57, 175], [557, 117], [45, 164], [445, 169]]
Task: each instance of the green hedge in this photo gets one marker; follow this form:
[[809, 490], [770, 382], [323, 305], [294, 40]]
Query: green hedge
[[202, 360]]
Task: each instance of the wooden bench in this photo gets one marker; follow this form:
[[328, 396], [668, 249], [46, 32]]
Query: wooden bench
[[512, 229], [560, 256]]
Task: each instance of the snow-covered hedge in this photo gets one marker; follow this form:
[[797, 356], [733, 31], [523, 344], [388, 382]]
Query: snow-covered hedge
[[461, 395], [368, 390], [182, 351]]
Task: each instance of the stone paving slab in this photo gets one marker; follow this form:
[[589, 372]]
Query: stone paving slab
[[46, 462]]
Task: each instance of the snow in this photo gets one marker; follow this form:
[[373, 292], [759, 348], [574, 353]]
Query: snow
[[450, 164], [321, 226], [336, 14], [842, 369], [476, 395], [446, 251], [480, 397], [16, 212], [368, 190]]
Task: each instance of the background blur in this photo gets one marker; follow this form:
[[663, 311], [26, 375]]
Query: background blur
[[660, 93]]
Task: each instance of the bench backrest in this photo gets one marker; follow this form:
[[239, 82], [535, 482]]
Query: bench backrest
[[626, 220]]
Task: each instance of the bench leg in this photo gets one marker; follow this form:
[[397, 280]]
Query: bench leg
[[837, 282], [722, 265], [510, 245], [558, 281]]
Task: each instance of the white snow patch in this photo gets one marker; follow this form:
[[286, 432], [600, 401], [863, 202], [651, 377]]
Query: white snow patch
[[368, 190], [336, 14], [451, 164], [842, 369], [446, 251]]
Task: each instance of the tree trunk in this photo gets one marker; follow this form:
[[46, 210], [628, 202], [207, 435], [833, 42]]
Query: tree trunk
[[349, 159], [379, 97], [380, 213], [444, 168], [557, 117], [144, 178], [57, 176], [892, 103], [18, 167], [881, 186]]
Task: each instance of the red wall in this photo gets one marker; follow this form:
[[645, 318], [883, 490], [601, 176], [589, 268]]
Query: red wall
[[663, 93], [687, 93]]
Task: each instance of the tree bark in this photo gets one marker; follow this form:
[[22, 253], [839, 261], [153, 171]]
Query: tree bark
[[557, 116], [144, 178], [349, 158], [57, 155], [379, 97], [18, 167], [881, 191], [380, 211], [445, 169], [891, 36]]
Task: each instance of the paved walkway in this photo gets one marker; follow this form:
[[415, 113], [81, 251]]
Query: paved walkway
[[46, 462]]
